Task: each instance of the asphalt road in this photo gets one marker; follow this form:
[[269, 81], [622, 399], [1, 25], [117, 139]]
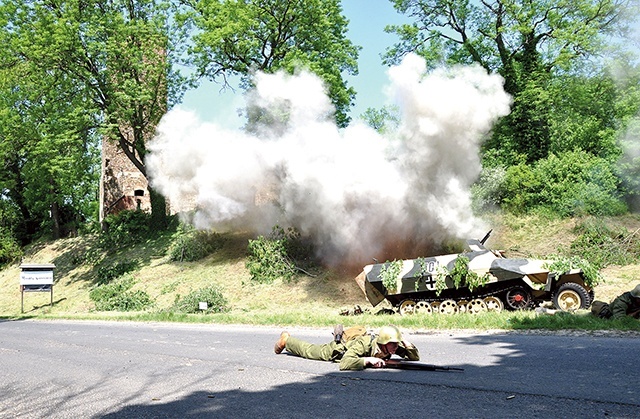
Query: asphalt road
[[65, 369]]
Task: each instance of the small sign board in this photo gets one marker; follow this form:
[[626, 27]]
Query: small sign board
[[42, 276], [36, 278]]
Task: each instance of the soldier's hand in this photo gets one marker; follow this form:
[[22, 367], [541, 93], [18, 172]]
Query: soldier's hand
[[374, 362]]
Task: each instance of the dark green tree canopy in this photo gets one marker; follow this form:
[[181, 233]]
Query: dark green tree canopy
[[527, 42], [114, 55], [239, 37], [510, 36]]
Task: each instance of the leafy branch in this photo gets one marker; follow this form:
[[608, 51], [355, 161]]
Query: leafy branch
[[389, 274]]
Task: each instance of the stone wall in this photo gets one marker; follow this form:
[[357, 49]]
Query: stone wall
[[122, 185]]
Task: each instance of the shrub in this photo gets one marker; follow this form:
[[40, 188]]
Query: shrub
[[108, 273], [276, 256], [570, 184], [603, 245], [268, 260], [487, 192], [125, 228], [190, 245], [216, 303], [9, 249], [116, 296]]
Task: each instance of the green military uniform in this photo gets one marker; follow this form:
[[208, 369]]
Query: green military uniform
[[625, 305], [350, 354]]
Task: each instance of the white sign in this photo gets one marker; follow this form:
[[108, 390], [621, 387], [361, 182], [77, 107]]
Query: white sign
[[36, 277]]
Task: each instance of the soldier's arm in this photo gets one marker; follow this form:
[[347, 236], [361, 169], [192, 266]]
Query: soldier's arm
[[408, 351], [354, 357]]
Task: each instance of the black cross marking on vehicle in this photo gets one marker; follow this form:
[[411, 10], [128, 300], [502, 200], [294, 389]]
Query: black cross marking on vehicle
[[429, 282]]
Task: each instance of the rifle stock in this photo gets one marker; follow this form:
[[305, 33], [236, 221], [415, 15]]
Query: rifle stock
[[416, 365]]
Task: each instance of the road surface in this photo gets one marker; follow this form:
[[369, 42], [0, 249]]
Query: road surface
[[88, 369]]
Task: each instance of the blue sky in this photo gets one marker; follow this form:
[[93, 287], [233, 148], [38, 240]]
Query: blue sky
[[367, 19]]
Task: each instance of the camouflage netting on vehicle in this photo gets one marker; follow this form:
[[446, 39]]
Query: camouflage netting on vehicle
[[474, 281]]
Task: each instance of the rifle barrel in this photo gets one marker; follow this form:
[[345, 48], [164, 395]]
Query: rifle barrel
[[415, 365]]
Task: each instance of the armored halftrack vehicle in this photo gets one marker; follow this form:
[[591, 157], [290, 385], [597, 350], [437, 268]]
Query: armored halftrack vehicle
[[491, 282]]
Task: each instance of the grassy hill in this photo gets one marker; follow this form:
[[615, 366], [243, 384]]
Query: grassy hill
[[305, 301]]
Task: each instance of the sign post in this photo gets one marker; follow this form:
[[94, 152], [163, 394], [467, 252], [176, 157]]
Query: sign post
[[35, 278]]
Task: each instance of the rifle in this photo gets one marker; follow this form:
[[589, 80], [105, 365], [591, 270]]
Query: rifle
[[416, 365]]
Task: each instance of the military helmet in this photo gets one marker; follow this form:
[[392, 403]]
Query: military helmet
[[389, 334], [636, 291]]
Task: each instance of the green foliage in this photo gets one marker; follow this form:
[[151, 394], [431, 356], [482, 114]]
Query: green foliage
[[486, 193], [51, 162], [603, 245], [573, 183], [383, 120], [273, 257], [587, 115], [268, 260], [528, 43], [441, 279], [84, 74], [460, 276], [233, 36], [389, 273], [216, 303], [117, 296], [561, 265], [190, 244], [108, 273], [9, 248], [125, 228], [463, 277]]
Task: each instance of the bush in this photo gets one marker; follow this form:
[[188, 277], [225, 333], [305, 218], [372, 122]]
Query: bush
[[487, 192], [125, 228], [9, 249], [116, 296], [603, 245], [216, 303], [190, 245], [570, 184], [276, 256], [108, 273]]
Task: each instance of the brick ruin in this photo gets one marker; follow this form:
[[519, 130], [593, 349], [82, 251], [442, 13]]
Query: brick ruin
[[122, 185]]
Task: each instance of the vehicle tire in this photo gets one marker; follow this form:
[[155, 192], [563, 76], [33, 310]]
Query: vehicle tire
[[407, 307], [518, 299], [571, 296]]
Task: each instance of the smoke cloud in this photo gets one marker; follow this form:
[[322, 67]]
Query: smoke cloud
[[355, 193]]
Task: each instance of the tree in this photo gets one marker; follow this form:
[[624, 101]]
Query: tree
[[117, 55], [240, 37], [382, 120], [526, 42], [49, 152]]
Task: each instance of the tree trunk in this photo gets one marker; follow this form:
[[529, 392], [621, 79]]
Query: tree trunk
[[55, 219], [159, 218]]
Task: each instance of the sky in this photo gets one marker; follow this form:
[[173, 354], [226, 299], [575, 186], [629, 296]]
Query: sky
[[367, 19]]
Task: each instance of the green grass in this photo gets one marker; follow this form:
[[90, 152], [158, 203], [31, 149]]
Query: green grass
[[306, 301]]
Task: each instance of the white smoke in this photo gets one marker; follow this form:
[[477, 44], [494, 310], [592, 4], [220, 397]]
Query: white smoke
[[352, 191]]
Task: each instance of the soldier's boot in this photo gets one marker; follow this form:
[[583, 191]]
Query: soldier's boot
[[281, 343], [337, 333]]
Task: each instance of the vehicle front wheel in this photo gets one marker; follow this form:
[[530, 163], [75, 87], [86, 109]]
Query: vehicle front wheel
[[571, 296]]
